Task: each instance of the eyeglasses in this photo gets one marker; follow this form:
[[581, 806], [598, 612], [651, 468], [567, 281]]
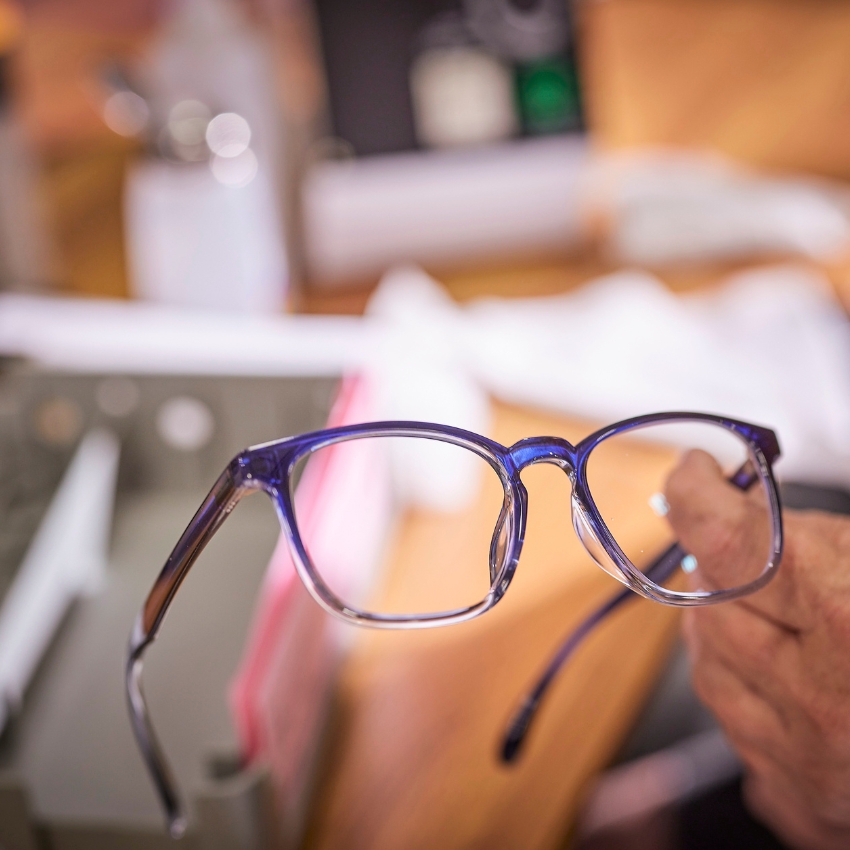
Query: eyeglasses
[[618, 507]]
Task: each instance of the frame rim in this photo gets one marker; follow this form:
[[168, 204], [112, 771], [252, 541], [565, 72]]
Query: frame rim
[[497, 456], [759, 440]]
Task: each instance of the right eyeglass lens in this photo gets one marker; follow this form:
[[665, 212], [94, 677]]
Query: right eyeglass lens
[[627, 477], [402, 526]]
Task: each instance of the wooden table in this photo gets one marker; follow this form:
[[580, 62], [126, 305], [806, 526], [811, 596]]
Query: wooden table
[[412, 760]]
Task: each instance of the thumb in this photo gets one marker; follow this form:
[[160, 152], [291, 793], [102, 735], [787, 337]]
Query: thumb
[[727, 530]]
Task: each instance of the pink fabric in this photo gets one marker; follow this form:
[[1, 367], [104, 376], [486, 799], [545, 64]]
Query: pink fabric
[[281, 687]]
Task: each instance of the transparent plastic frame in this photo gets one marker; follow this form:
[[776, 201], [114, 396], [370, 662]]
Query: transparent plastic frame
[[269, 468]]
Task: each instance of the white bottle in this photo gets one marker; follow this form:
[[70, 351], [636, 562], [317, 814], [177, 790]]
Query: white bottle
[[203, 220]]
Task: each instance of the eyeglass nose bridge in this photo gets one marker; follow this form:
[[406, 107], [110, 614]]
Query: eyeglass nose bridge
[[559, 452], [544, 450]]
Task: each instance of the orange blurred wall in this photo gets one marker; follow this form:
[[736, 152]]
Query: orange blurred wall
[[765, 81]]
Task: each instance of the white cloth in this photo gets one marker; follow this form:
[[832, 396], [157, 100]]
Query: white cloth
[[771, 346], [672, 206]]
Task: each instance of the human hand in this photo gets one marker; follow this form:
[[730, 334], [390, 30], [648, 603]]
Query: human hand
[[774, 667]]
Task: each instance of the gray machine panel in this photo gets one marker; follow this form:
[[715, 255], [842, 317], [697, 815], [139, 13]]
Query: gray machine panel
[[69, 769]]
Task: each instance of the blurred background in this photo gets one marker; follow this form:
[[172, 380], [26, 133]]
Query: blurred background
[[455, 135], [227, 221], [335, 123]]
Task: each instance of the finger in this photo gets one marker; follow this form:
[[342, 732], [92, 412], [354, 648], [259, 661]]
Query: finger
[[727, 529], [729, 532], [753, 720], [759, 683], [776, 806], [812, 578], [765, 656], [776, 801]]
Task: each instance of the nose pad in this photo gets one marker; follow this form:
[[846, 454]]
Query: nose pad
[[499, 544], [584, 530]]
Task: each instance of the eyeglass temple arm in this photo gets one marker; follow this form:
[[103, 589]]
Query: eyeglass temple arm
[[218, 504], [662, 568], [519, 725]]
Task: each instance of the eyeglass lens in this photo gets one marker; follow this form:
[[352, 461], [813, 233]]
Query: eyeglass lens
[[450, 500], [627, 475]]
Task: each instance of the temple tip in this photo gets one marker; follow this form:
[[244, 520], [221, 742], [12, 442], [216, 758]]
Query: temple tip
[[510, 748], [177, 826], [512, 744]]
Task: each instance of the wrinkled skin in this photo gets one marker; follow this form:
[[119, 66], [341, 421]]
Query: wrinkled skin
[[774, 667]]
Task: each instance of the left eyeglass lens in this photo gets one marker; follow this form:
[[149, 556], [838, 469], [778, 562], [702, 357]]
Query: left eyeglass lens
[[627, 476], [401, 525]]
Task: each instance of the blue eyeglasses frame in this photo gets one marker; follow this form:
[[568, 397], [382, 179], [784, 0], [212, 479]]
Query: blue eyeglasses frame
[[269, 468]]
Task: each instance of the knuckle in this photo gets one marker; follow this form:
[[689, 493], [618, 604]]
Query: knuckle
[[829, 726], [749, 727], [756, 740], [746, 643], [750, 755], [716, 699], [760, 649], [834, 617], [726, 707]]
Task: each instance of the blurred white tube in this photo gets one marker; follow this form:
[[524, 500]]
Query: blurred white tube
[[666, 206], [362, 216]]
